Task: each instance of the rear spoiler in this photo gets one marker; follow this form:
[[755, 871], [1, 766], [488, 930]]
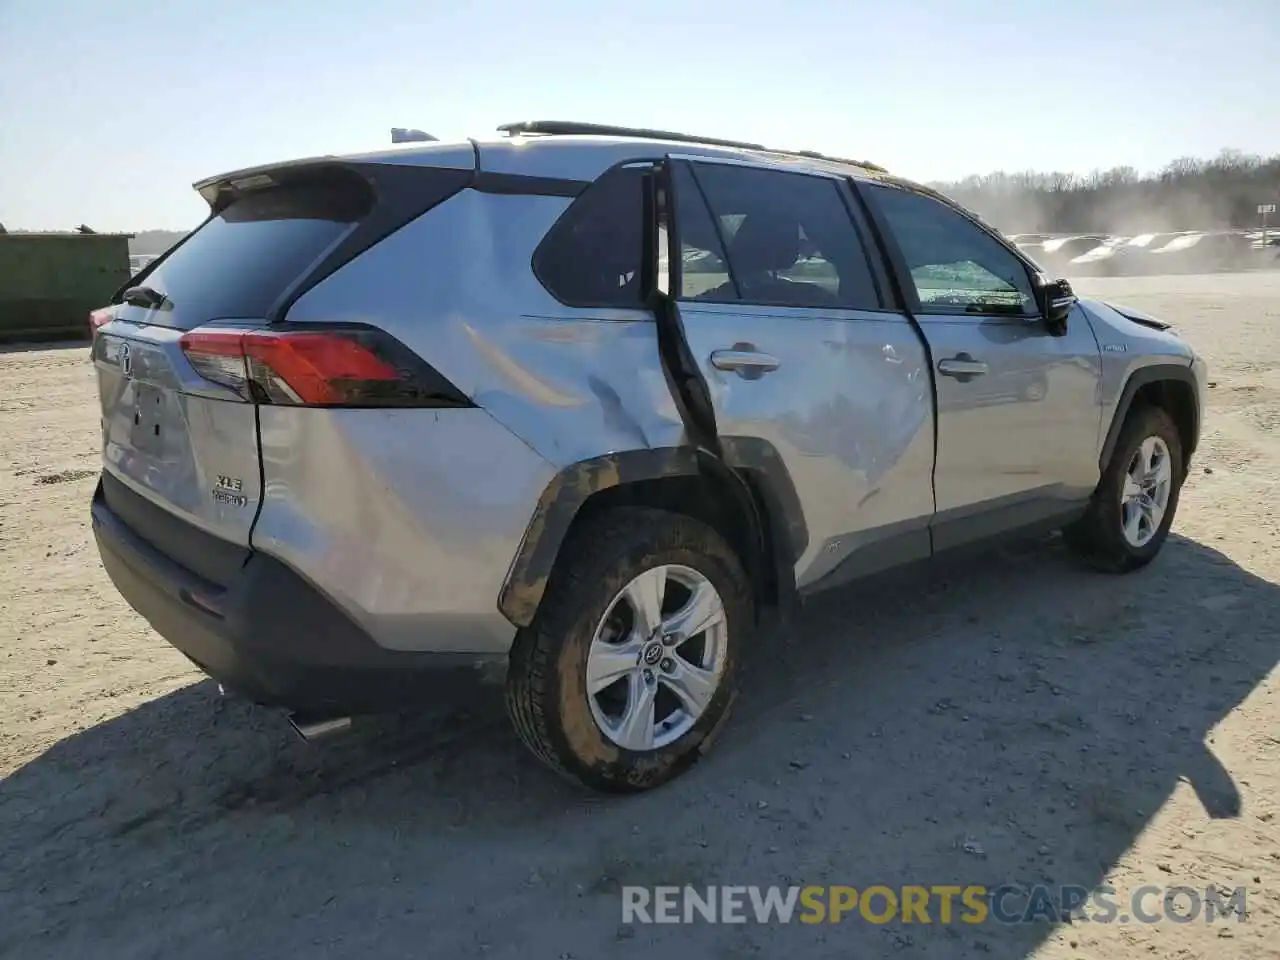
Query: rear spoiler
[[220, 190]]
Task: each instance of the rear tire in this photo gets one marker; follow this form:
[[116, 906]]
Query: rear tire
[[1130, 513], [604, 613]]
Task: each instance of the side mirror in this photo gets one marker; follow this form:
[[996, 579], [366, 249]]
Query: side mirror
[[1055, 298]]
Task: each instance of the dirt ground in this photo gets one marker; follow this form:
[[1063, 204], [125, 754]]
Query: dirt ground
[[1013, 719]]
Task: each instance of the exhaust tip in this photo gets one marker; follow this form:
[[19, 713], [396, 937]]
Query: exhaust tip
[[311, 729]]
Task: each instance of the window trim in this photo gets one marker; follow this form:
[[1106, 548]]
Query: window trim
[[898, 261], [870, 249], [775, 166], [716, 225], [881, 276]]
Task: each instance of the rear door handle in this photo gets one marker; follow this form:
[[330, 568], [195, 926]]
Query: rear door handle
[[962, 366], [745, 363]]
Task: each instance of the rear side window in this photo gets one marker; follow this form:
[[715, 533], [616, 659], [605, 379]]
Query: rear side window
[[788, 238], [593, 255], [241, 261]]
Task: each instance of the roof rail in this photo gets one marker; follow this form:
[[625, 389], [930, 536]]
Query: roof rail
[[571, 127], [826, 156]]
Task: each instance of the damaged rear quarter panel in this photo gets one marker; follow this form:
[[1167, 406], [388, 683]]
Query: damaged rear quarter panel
[[583, 388], [457, 287]]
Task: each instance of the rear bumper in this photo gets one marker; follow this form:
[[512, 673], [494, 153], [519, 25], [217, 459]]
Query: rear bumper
[[270, 636]]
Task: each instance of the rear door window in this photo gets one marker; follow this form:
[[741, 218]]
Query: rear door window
[[788, 240], [242, 260], [593, 255]]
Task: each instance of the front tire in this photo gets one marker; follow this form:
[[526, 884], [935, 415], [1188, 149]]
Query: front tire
[[1133, 507], [628, 670]]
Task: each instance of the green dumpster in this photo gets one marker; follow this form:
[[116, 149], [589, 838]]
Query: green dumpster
[[50, 281]]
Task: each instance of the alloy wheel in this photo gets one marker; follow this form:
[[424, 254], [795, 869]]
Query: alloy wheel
[[656, 658], [1145, 497]]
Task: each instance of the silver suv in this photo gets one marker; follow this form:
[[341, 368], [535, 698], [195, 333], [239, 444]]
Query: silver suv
[[575, 407]]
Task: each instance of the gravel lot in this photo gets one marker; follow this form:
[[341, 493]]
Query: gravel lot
[[1011, 719]]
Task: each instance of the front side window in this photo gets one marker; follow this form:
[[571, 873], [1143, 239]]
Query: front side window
[[955, 265], [770, 237]]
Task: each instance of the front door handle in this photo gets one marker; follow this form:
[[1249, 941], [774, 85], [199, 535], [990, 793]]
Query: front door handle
[[962, 366], [749, 364]]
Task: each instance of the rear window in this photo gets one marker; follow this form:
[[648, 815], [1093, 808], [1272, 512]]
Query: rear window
[[241, 261]]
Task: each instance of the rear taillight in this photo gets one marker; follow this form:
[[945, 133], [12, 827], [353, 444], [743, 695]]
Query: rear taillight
[[341, 366], [100, 318]]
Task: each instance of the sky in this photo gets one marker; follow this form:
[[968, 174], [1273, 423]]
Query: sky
[[110, 110]]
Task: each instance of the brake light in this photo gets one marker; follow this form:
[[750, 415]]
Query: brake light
[[344, 366]]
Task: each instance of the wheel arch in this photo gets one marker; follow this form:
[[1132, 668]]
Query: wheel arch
[[748, 497], [1169, 386]]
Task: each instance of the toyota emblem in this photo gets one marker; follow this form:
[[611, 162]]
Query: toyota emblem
[[126, 361]]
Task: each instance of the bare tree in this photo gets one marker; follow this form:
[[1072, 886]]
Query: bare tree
[[1188, 194]]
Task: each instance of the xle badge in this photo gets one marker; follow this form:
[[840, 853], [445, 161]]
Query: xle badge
[[227, 490]]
